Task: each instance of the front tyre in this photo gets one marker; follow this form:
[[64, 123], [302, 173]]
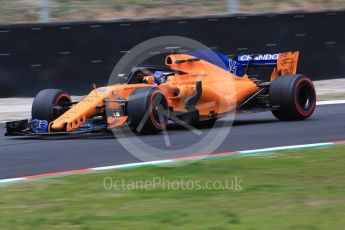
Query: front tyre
[[49, 104], [292, 97], [147, 110]]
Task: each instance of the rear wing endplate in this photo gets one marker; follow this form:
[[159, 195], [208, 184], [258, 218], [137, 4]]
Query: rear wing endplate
[[286, 64]]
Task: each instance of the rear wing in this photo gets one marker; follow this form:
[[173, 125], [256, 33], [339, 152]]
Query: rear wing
[[283, 63], [258, 59], [286, 64]]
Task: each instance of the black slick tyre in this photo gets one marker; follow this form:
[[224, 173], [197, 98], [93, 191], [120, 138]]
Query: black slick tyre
[[147, 110], [47, 103], [292, 97]]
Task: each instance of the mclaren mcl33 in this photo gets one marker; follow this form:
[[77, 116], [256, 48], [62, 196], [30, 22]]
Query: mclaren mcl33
[[191, 88]]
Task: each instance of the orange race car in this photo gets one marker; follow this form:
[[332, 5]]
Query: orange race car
[[190, 89]]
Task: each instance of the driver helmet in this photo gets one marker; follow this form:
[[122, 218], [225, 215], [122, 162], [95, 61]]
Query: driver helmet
[[159, 77]]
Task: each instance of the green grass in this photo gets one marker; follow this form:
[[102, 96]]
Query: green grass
[[284, 190]]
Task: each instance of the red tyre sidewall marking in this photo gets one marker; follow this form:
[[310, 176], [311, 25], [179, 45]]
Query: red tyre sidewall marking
[[299, 108], [62, 96], [153, 120]]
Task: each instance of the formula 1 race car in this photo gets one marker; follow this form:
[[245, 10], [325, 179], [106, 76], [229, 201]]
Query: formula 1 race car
[[190, 89]]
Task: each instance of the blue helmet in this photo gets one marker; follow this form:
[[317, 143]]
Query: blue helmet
[[159, 77]]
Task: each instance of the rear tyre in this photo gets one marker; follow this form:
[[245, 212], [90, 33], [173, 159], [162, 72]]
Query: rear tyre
[[292, 97], [147, 110], [49, 104]]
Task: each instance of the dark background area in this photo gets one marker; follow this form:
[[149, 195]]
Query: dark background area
[[73, 56]]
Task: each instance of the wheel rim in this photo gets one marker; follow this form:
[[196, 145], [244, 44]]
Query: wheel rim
[[305, 97], [158, 111], [62, 99]]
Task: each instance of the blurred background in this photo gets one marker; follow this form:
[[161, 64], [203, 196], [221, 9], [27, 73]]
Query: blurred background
[[19, 11]]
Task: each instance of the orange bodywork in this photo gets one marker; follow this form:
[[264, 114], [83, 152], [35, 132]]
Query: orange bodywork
[[286, 64], [222, 91]]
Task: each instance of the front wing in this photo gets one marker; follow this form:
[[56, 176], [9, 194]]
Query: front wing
[[23, 128]]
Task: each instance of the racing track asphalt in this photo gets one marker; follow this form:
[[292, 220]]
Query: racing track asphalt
[[29, 156]]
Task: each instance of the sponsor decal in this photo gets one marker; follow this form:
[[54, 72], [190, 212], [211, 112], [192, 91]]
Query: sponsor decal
[[260, 57], [196, 75], [101, 90], [232, 66]]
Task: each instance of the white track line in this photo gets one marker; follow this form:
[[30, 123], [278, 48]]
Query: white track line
[[334, 102]]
